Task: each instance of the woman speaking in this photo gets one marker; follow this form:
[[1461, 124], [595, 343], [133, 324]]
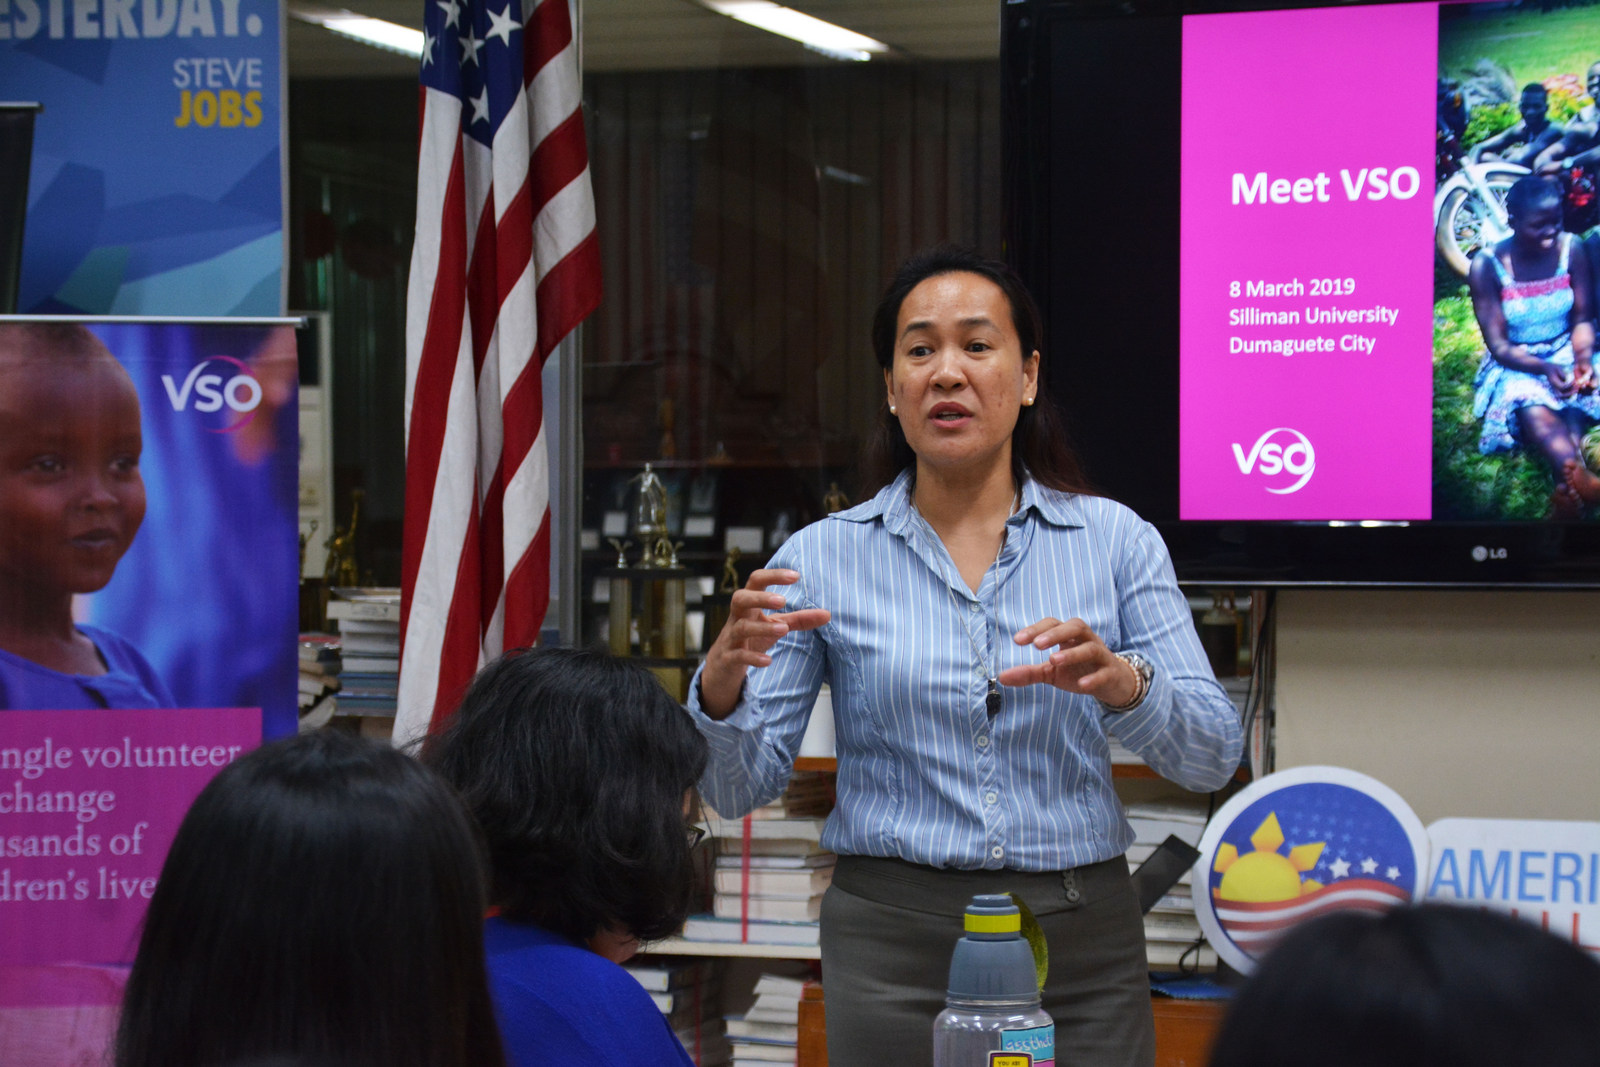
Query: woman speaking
[[985, 625]]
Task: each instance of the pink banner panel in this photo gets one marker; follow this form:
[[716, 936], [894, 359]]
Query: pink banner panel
[[90, 801]]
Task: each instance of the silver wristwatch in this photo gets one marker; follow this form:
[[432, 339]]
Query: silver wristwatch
[[1143, 671]]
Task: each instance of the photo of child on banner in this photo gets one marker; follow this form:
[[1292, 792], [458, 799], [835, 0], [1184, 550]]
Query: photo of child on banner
[[71, 503], [147, 517]]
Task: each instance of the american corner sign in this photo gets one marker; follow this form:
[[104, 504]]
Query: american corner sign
[[1311, 840]]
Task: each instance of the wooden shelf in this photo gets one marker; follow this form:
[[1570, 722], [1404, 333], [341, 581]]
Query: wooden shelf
[[816, 763], [1185, 1030], [677, 946]]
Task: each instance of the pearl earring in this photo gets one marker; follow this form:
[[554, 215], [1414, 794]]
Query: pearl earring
[[1027, 401], [893, 410]]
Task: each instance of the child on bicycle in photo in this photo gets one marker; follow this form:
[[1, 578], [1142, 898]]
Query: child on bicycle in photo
[[71, 501]]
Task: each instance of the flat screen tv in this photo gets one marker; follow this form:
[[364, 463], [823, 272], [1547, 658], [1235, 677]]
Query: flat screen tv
[[1250, 233]]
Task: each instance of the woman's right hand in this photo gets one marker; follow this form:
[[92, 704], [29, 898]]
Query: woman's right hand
[[747, 635]]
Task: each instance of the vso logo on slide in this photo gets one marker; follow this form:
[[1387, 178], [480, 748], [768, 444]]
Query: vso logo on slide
[[1281, 455], [206, 390]]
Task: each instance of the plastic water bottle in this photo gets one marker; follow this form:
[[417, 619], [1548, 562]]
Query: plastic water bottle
[[992, 1016]]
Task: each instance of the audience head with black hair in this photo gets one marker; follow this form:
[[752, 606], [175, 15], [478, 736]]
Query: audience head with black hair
[[322, 903], [577, 766], [1432, 985]]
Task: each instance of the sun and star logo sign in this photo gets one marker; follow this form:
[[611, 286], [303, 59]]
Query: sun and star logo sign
[[1291, 846]]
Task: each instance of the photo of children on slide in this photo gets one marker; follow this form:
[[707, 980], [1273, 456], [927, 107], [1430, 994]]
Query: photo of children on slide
[[1516, 408], [148, 483]]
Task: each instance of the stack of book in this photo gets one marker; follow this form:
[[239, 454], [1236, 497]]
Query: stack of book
[[686, 992], [319, 679], [789, 894], [771, 870], [1172, 933], [769, 1030], [369, 642]]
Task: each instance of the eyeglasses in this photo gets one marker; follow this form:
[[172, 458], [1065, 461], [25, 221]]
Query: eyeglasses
[[695, 833]]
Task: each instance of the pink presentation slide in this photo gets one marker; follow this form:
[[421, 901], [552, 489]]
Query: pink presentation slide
[[1307, 259]]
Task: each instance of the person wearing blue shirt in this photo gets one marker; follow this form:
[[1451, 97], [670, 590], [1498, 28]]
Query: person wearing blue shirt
[[986, 626], [560, 1002], [71, 501], [580, 771]]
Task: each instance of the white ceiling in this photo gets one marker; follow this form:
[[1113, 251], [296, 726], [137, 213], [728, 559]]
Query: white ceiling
[[681, 35]]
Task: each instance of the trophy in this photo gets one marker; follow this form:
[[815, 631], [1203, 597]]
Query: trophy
[[647, 598], [340, 568], [717, 605]]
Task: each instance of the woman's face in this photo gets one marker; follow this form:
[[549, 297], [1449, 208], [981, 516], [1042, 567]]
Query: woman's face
[[1537, 226], [959, 376]]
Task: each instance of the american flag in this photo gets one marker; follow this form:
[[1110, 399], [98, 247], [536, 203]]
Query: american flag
[[504, 266]]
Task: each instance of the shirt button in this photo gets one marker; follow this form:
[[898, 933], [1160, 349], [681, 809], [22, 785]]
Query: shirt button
[[983, 740], [991, 798], [997, 852], [972, 605]]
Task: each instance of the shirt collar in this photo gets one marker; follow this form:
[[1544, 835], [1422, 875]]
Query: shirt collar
[[892, 505]]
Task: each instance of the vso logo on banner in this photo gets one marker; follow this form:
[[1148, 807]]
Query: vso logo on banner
[[1281, 454], [1297, 844], [215, 383]]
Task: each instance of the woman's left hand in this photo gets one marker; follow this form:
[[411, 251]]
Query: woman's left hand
[[1081, 662]]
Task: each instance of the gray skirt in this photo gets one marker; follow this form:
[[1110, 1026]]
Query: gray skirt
[[888, 928]]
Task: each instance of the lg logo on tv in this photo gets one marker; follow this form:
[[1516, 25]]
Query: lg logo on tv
[[1281, 454], [236, 388]]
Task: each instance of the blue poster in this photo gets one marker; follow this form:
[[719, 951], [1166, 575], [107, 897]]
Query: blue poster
[[157, 178]]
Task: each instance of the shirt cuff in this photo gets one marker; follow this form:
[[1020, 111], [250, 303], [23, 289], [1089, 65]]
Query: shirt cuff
[[1148, 719], [723, 735]]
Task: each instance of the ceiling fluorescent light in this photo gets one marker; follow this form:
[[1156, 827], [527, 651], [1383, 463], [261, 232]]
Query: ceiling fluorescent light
[[817, 35], [376, 32]]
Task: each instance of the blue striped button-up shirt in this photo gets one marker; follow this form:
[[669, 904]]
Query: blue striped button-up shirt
[[924, 773]]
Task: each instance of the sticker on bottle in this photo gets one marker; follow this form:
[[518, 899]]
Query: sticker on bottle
[[1033, 1047]]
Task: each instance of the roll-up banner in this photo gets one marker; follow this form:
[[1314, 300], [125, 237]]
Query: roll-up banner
[[148, 476], [157, 180]]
